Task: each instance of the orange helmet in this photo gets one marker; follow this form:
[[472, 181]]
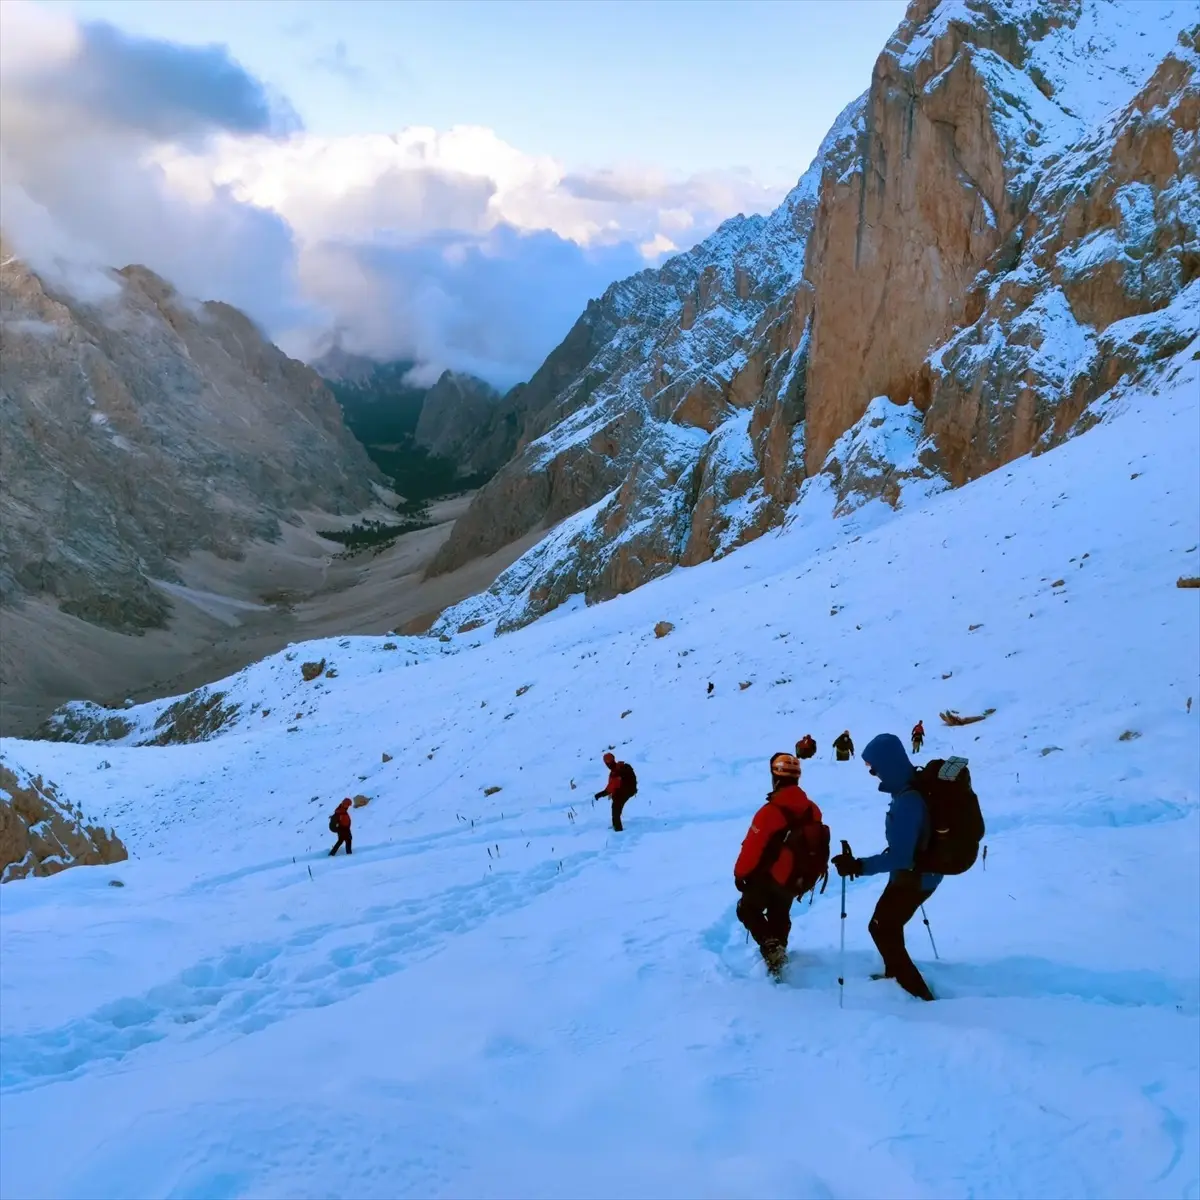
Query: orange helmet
[[785, 766]]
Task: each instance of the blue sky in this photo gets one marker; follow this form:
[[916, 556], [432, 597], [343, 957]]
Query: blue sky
[[446, 182], [681, 85]]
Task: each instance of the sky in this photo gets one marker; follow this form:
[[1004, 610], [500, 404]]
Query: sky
[[447, 182]]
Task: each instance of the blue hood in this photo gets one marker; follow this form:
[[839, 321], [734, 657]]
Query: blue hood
[[885, 754]]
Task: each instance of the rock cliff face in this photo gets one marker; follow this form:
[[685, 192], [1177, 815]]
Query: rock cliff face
[[673, 400], [460, 420], [42, 834], [140, 427], [1001, 230]]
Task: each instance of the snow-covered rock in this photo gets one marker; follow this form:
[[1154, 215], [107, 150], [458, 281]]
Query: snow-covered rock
[[41, 833]]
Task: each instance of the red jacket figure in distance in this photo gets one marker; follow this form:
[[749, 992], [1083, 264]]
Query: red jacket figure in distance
[[341, 817], [622, 784], [785, 853]]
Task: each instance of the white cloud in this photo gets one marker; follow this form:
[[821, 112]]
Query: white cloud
[[452, 248]]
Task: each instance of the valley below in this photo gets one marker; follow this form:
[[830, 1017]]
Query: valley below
[[227, 614]]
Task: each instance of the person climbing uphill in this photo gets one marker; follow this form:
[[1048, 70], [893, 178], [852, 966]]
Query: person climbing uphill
[[806, 747], [339, 823], [621, 786], [907, 829], [785, 854], [844, 746], [918, 736]]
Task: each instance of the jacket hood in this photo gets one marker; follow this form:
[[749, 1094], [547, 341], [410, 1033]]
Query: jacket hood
[[885, 755], [344, 804]]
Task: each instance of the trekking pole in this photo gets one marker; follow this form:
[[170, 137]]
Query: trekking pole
[[929, 930], [842, 950]]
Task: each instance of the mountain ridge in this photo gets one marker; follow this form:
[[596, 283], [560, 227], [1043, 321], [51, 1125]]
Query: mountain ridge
[[689, 404]]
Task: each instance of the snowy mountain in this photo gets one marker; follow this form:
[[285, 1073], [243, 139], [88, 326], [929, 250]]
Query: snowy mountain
[[497, 996], [140, 426], [973, 238], [148, 443]]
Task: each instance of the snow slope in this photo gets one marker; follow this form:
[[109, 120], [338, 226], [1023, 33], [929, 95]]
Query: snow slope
[[496, 996]]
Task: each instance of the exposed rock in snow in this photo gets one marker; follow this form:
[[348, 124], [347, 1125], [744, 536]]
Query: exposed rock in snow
[[42, 834], [880, 456], [1098, 283]]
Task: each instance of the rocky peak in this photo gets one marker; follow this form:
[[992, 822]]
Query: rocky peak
[[139, 427], [968, 247], [458, 421]]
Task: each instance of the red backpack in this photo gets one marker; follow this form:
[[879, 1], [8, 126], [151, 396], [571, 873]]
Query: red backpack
[[808, 840]]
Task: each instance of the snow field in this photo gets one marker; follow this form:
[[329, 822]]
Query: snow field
[[498, 996]]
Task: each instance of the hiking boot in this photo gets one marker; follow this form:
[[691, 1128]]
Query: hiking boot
[[775, 955]]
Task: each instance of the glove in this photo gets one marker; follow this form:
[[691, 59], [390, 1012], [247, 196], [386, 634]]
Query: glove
[[599, 795], [847, 865], [739, 882]]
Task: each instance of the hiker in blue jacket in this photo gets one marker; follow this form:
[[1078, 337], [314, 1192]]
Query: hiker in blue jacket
[[907, 831]]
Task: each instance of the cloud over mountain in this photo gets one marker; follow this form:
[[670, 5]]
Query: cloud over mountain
[[451, 247]]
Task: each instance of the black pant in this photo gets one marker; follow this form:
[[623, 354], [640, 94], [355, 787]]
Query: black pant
[[619, 800], [343, 836], [900, 900], [766, 911], [917, 744]]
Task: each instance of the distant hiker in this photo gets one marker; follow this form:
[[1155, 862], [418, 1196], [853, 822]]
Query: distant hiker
[[339, 823], [621, 786], [784, 855], [806, 747], [844, 746], [933, 828], [918, 736]]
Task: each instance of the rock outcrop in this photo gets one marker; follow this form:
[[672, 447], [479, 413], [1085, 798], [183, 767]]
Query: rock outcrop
[[460, 421], [137, 428], [673, 401], [41, 833], [1001, 230]]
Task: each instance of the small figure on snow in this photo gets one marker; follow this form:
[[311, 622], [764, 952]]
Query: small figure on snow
[[785, 854], [844, 746], [918, 736], [806, 747], [621, 786], [908, 831], [339, 823]]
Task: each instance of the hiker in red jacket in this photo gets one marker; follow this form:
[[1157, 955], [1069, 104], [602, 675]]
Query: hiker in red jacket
[[806, 747], [621, 786], [918, 736], [785, 854], [341, 817]]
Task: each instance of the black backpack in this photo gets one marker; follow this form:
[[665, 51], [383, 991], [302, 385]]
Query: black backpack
[[955, 818], [628, 778], [808, 840], [334, 827]]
